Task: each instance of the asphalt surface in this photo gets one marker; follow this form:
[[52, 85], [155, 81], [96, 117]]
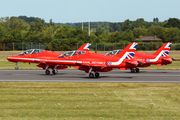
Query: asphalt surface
[[145, 76]]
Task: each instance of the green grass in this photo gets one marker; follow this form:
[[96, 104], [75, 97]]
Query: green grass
[[11, 65], [4, 57], [11, 51], [5, 64], [176, 56], [85, 101]]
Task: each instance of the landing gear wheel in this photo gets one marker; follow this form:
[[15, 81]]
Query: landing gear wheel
[[137, 70], [16, 67], [54, 71], [47, 72], [91, 75], [132, 70], [96, 74]]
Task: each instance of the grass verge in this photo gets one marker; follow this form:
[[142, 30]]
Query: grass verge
[[26, 100]]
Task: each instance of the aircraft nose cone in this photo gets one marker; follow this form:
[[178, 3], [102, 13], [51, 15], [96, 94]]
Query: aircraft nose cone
[[8, 58]]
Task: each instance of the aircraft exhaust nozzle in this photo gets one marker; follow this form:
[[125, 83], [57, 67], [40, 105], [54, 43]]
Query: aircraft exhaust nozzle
[[135, 63], [169, 59]]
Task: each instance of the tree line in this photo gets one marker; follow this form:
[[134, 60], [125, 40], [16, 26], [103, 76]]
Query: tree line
[[29, 29]]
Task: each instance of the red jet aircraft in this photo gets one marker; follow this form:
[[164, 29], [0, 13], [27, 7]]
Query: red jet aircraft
[[160, 57], [89, 61], [41, 56]]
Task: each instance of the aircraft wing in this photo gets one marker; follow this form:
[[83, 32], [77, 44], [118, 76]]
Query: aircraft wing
[[141, 63], [102, 66], [91, 64]]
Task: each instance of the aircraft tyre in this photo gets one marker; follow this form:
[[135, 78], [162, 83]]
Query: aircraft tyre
[[54, 71], [91, 75], [96, 74], [132, 70], [137, 70], [16, 67], [47, 72]]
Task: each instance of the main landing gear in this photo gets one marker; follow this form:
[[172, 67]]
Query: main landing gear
[[91, 75], [54, 71], [134, 70], [47, 72]]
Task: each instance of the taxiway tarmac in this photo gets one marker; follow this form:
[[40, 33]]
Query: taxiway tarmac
[[145, 76]]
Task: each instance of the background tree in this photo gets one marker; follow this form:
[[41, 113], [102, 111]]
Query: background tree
[[103, 38], [29, 19], [171, 35], [156, 31], [115, 27], [173, 22], [126, 25], [36, 30], [140, 31], [140, 23], [51, 23], [155, 20]]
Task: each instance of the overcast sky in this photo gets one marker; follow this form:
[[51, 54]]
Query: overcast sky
[[64, 11]]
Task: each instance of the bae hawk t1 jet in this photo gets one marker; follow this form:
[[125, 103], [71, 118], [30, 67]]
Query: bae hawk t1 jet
[[41, 56], [160, 57], [89, 61]]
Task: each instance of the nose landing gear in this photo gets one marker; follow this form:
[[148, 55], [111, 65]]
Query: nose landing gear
[[16, 67]]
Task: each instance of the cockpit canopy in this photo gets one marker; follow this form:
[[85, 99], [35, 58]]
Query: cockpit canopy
[[72, 53], [31, 51], [114, 52]]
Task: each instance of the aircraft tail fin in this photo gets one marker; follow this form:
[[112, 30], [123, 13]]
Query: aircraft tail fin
[[164, 50], [131, 48], [127, 54], [85, 47]]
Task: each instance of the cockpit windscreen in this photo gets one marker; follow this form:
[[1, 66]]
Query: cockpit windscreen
[[114, 52], [31, 51], [72, 53]]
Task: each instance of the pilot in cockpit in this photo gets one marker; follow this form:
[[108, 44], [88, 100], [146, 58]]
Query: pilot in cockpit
[[67, 55], [79, 53]]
